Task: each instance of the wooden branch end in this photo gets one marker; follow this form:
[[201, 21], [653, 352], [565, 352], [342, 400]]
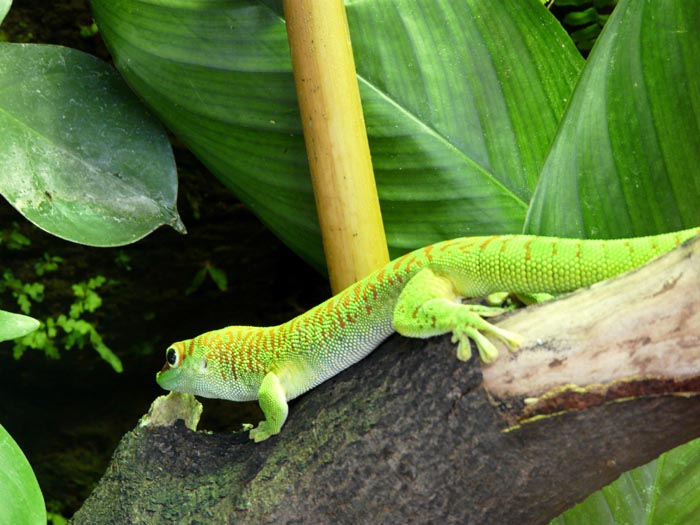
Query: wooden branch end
[[632, 336]]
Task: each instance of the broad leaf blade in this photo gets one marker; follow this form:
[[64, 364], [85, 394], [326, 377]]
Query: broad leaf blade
[[79, 156], [13, 326], [22, 502], [459, 122], [661, 492], [446, 104], [4, 8], [625, 159]]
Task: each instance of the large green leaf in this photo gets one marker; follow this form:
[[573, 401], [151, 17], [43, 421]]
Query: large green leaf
[[664, 492], [625, 159], [22, 502], [79, 155], [461, 101], [4, 8]]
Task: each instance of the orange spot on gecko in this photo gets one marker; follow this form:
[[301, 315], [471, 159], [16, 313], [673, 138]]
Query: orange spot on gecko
[[528, 251], [190, 350], [426, 252], [380, 277], [260, 343], [330, 304], [448, 245], [397, 264], [372, 289], [466, 246], [291, 326], [486, 242], [246, 347], [554, 248], [246, 337], [318, 315], [412, 261]]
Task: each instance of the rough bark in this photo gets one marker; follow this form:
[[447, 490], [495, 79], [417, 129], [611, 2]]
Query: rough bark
[[411, 435]]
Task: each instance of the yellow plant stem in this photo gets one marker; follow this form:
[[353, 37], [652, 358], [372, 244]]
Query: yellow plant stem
[[336, 139]]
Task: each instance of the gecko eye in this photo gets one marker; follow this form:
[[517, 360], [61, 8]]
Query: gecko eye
[[172, 357]]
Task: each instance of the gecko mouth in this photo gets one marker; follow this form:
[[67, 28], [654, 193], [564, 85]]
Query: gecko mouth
[[165, 380]]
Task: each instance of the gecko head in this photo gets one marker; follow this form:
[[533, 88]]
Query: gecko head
[[208, 367], [183, 371]]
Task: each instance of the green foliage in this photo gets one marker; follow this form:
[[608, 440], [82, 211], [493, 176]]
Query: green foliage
[[70, 132], [661, 492], [22, 502], [624, 159], [89, 31], [24, 293], [54, 518], [217, 275], [12, 238], [82, 159], [458, 123], [49, 263], [88, 300], [71, 330], [122, 259], [4, 8], [68, 329], [13, 326]]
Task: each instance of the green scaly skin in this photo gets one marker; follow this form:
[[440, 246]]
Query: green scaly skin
[[417, 295]]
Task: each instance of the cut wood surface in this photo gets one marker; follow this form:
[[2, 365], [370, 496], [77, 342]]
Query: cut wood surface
[[411, 435]]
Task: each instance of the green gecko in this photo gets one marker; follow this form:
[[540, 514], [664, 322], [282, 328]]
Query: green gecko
[[417, 295]]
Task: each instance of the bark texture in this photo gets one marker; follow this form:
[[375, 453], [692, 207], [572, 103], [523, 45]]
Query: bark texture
[[411, 435]]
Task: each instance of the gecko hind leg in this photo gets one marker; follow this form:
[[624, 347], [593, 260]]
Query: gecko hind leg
[[429, 305]]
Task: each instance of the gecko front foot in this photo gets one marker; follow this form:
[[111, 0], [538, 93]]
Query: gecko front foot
[[487, 351], [429, 305], [261, 432]]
